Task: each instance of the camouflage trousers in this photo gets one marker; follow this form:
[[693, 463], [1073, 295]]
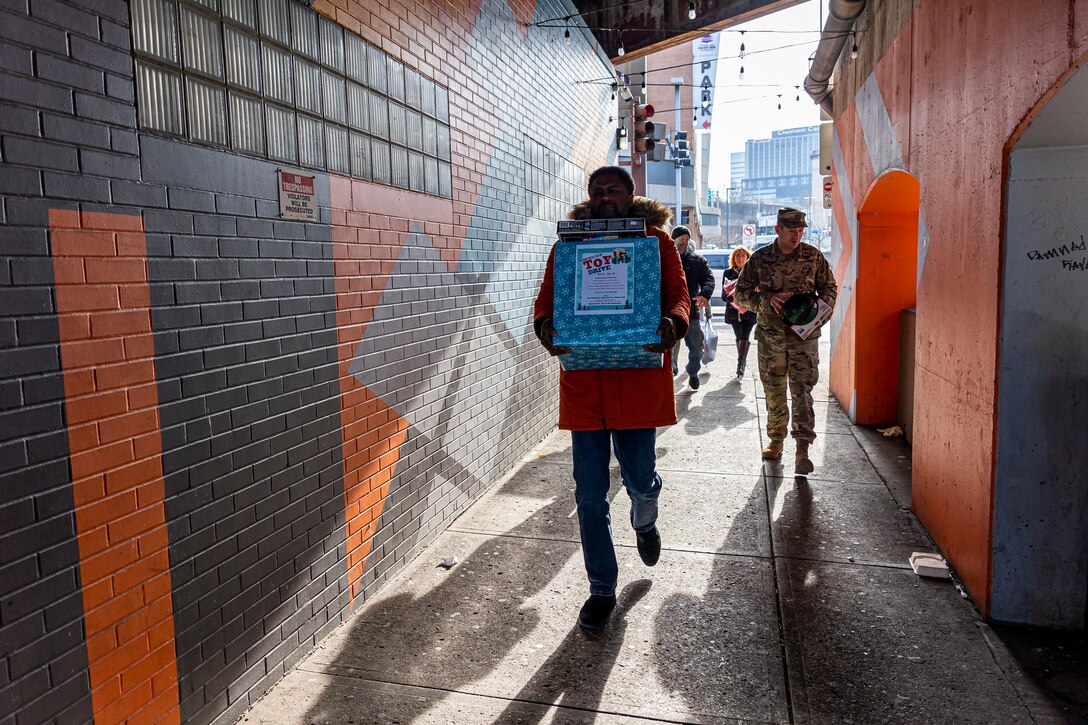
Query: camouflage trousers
[[785, 359]]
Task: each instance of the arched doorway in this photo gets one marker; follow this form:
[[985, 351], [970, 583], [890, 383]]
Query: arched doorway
[[1040, 544], [886, 285]]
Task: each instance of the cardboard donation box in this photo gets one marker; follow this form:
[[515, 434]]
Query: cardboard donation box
[[607, 296]]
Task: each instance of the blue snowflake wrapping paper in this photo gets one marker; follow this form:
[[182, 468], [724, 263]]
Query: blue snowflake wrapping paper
[[607, 303]]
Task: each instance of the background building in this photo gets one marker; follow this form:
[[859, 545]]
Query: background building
[[778, 169]]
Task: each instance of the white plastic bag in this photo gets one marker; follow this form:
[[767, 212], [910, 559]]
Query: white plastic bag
[[710, 339]]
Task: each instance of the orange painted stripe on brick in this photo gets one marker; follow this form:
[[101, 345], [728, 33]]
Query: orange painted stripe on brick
[[370, 224], [358, 291], [103, 310]]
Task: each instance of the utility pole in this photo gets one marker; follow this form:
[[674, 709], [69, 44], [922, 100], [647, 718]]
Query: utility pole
[[728, 209], [677, 84]]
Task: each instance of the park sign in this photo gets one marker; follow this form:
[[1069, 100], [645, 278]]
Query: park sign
[[704, 71]]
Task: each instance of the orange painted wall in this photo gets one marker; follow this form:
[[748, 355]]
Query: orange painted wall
[[104, 316], [370, 223], [858, 176], [887, 260], [954, 99], [887, 266]]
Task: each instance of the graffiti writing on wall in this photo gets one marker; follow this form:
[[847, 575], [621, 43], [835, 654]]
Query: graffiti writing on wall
[[1063, 251]]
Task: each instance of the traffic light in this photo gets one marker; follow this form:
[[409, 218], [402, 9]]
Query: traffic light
[[660, 136], [643, 140], [681, 149]]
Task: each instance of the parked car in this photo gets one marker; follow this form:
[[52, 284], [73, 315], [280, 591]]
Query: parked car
[[719, 262]]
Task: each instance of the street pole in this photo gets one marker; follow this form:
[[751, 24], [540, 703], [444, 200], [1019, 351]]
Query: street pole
[[676, 127], [728, 208]]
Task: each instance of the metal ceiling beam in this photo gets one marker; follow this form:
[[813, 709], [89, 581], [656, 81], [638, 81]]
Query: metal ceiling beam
[[653, 25]]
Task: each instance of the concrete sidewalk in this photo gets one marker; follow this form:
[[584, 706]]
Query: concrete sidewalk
[[776, 599]]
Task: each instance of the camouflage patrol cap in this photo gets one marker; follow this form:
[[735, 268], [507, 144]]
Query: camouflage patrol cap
[[791, 218]]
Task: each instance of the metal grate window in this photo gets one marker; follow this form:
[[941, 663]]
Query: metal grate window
[[273, 79]]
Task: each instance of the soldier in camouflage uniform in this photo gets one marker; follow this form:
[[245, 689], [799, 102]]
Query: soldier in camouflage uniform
[[773, 275]]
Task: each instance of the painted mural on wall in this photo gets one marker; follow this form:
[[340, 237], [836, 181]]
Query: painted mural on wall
[[257, 419]]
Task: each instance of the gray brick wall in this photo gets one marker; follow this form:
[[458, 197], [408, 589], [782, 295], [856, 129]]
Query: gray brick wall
[[43, 670], [244, 314]]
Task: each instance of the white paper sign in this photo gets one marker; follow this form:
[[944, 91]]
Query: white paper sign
[[297, 196], [605, 282]]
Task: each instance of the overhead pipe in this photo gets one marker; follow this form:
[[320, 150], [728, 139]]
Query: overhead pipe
[[841, 15]]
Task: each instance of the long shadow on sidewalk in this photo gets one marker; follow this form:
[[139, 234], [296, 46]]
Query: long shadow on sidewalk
[[568, 670], [458, 631], [720, 650]]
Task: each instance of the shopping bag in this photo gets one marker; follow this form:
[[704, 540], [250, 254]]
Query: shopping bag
[[710, 339]]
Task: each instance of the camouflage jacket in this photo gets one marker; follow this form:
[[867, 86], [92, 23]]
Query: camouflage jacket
[[768, 272]]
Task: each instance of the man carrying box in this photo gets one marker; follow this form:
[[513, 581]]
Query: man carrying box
[[617, 409], [773, 275]]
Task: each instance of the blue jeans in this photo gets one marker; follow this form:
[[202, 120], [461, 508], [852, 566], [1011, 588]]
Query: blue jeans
[[694, 341], [635, 452]]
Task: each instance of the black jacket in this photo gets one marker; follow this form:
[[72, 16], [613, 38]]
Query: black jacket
[[733, 317], [700, 278]]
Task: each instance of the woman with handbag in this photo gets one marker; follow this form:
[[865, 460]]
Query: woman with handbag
[[742, 319]]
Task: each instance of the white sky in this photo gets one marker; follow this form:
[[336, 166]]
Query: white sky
[[748, 108]]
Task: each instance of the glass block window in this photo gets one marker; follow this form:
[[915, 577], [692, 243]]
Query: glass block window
[[246, 124], [332, 45], [399, 166], [202, 43], [243, 53], [335, 94], [311, 142], [307, 86], [379, 115], [241, 11], [336, 149], [379, 161], [282, 136], [155, 29], [395, 76], [415, 171], [360, 156], [160, 101], [274, 79], [358, 107], [278, 77], [553, 184], [397, 131], [207, 112]]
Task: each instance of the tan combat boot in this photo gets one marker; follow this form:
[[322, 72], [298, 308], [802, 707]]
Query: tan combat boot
[[773, 451], [802, 465]]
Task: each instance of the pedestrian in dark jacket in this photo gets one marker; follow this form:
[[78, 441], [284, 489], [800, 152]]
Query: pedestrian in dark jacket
[[742, 320], [700, 288]]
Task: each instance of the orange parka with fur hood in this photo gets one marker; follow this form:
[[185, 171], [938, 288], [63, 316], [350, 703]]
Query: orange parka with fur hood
[[627, 398]]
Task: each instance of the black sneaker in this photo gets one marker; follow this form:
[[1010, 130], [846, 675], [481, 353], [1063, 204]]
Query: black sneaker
[[649, 546], [595, 611], [693, 381]]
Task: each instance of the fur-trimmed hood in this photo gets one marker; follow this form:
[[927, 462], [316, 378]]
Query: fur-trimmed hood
[[654, 212]]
